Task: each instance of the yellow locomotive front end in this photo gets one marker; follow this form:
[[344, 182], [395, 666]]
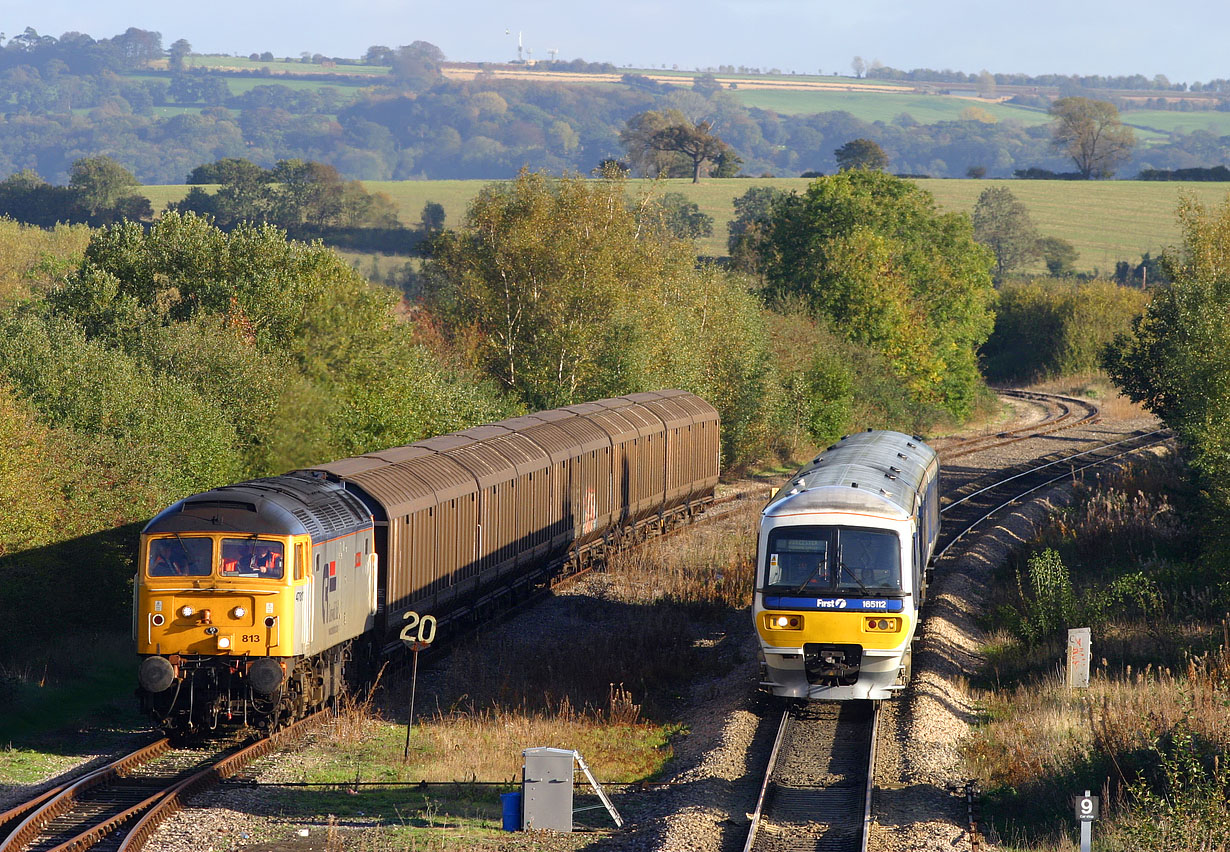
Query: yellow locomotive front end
[[831, 610], [248, 601], [219, 595], [842, 571]]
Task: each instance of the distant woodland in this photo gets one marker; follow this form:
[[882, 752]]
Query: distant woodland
[[161, 111]]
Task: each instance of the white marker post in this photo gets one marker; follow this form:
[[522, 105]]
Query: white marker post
[[1086, 813], [1080, 652]]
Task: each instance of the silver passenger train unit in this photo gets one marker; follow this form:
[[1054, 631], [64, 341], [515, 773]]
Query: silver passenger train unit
[[842, 568]]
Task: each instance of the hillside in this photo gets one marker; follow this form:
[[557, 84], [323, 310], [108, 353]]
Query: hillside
[[419, 117]]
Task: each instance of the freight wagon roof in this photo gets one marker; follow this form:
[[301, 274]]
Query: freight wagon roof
[[875, 472], [293, 504], [401, 480]]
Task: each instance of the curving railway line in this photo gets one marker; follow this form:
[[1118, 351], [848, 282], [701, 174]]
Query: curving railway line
[[117, 806]]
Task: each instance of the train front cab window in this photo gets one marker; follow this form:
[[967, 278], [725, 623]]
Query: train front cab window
[[181, 556], [832, 560], [250, 557]]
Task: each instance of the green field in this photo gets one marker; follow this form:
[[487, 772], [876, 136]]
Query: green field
[[1169, 121], [884, 106], [281, 66], [1107, 221]]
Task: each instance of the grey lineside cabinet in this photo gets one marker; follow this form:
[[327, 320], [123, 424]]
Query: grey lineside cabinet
[[547, 789]]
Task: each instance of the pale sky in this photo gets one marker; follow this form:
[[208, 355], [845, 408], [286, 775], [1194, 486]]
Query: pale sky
[[1185, 41]]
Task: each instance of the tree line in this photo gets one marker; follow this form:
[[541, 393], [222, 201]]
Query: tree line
[[412, 122]]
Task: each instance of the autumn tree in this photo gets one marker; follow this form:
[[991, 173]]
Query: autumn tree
[[861, 154], [875, 256], [1176, 360], [564, 290], [695, 142], [1002, 224], [1091, 133], [637, 138], [655, 140]]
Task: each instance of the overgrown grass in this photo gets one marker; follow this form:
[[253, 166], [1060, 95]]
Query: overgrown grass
[[1151, 730]]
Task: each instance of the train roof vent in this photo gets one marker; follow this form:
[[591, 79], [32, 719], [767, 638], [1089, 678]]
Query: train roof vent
[[220, 504], [310, 523]]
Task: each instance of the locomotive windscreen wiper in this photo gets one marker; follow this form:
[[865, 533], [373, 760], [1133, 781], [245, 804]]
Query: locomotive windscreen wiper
[[191, 566]]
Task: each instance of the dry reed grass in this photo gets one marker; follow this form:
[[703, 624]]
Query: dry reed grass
[[1044, 729], [712, 565]]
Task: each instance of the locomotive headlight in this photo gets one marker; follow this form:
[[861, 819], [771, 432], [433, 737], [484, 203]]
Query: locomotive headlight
[[883, 625], [238, 612], [224, 642], [158, 620], [783, 622], [187, 611]]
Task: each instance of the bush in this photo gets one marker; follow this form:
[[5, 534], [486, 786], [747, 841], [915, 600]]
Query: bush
[[1045, 329]]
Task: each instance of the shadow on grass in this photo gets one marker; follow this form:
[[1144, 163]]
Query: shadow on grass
[[66, 653]]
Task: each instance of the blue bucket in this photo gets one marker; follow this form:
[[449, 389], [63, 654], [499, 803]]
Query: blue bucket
[[511, 804]]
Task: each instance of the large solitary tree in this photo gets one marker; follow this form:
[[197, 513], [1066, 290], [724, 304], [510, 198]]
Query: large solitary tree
[[694, 141], [666, 143], [861, 154], [1091, 133], [1002, 224]]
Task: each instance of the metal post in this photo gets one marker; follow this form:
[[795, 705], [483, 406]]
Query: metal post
[[414, 680], [1086, 836]]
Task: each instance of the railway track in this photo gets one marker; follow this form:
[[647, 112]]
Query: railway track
[[117, 806], [816, 792], [1059, 413], [975, 502]]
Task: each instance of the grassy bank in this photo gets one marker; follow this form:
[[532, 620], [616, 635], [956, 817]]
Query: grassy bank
[[1150, 733]]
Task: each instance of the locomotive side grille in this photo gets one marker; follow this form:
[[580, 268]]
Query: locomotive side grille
[[313, 526]]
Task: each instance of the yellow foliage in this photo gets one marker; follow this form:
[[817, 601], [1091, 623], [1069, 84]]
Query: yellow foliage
[[33, 258]]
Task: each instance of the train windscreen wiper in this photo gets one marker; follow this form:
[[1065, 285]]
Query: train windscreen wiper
[[822, 565], [842, 566]]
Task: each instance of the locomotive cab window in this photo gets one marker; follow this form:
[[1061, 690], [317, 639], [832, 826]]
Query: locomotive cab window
[[249, 557], [832, 560], [181, 556]]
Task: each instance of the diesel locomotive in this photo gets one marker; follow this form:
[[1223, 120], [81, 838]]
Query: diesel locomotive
[[255, 602], [842, 568]]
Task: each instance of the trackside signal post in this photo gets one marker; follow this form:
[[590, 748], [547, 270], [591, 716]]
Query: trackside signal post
[[1086, 813], [417, 635]]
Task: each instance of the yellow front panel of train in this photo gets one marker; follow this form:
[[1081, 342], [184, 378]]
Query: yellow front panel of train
[[205, 603], [794, 628]]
